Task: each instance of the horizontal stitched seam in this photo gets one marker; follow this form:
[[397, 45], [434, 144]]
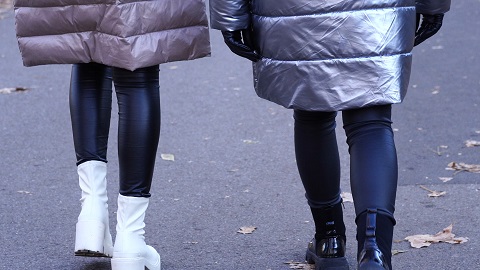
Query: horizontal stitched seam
[[341, 59], [101, 4], [333, 12], [69, 33]]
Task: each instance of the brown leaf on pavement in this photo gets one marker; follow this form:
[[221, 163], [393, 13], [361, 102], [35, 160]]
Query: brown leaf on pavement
[[463, 167], [433, 193], [396, 252], [10, 90], [168, 157], [445, 179], [300, 265], [247, 230], [5, 6], [472, 143], [425, 240], [250, 141]]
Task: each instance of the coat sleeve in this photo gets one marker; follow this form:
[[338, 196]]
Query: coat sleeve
[[432, 6], [230, 15]]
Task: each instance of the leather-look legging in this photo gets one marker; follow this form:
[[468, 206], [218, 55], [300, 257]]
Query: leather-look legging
[[139, 120], [373, 158]]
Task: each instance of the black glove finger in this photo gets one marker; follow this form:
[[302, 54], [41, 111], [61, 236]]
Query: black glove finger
[[247, 38], [425, 33], [242, 50], [233, 35], [431, 24], [233, 39], [417, 21]]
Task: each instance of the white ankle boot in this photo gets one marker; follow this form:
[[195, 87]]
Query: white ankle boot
[[93, 236], [130, 251]]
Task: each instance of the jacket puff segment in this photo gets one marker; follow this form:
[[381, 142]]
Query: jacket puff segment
[[326, 55], [128, 34]]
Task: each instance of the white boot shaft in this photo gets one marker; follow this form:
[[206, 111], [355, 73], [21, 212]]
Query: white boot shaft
[[130, 250], [93, 183], [93, 236]]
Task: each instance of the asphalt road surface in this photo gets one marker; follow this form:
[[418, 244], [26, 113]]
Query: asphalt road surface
[[234, 163]]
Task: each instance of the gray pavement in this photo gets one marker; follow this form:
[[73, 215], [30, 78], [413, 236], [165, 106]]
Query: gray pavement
[[234, 163]]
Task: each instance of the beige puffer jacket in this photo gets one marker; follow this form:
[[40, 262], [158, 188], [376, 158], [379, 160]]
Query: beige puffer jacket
[[129, 34]]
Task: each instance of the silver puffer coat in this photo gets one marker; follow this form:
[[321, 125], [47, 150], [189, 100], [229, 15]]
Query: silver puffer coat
[[128, 34], [328, 55]]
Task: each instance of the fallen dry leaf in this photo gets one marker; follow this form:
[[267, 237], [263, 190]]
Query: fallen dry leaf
[[463, 167], [300, 265], [433, 193], [472, 143], [435, 90], [425, 240], [346, 197], [10, 90], [396, 252], [4, 3], [445, 179], [168, 157], [437, 194], [5, 6], [438, 151], [247, 230]]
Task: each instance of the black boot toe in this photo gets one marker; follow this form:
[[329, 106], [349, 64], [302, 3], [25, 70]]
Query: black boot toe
[[327, 254], [372, 259]]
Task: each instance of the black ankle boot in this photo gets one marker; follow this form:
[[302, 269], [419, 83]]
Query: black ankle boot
[[327, 249], [374, 240]]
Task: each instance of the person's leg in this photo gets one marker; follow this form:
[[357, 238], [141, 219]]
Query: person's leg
[[373, 177], [138, 128], [138, 135], [319, 167], [90, 108]]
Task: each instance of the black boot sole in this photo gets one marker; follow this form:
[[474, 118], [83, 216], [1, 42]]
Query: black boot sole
[[327, 263], [370, 266], [90, 253]]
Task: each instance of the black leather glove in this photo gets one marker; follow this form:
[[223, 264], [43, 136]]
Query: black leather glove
[[240, 43], [429, 27]]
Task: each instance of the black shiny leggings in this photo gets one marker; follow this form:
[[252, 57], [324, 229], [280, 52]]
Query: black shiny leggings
[[138, 100], [373, 158]]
